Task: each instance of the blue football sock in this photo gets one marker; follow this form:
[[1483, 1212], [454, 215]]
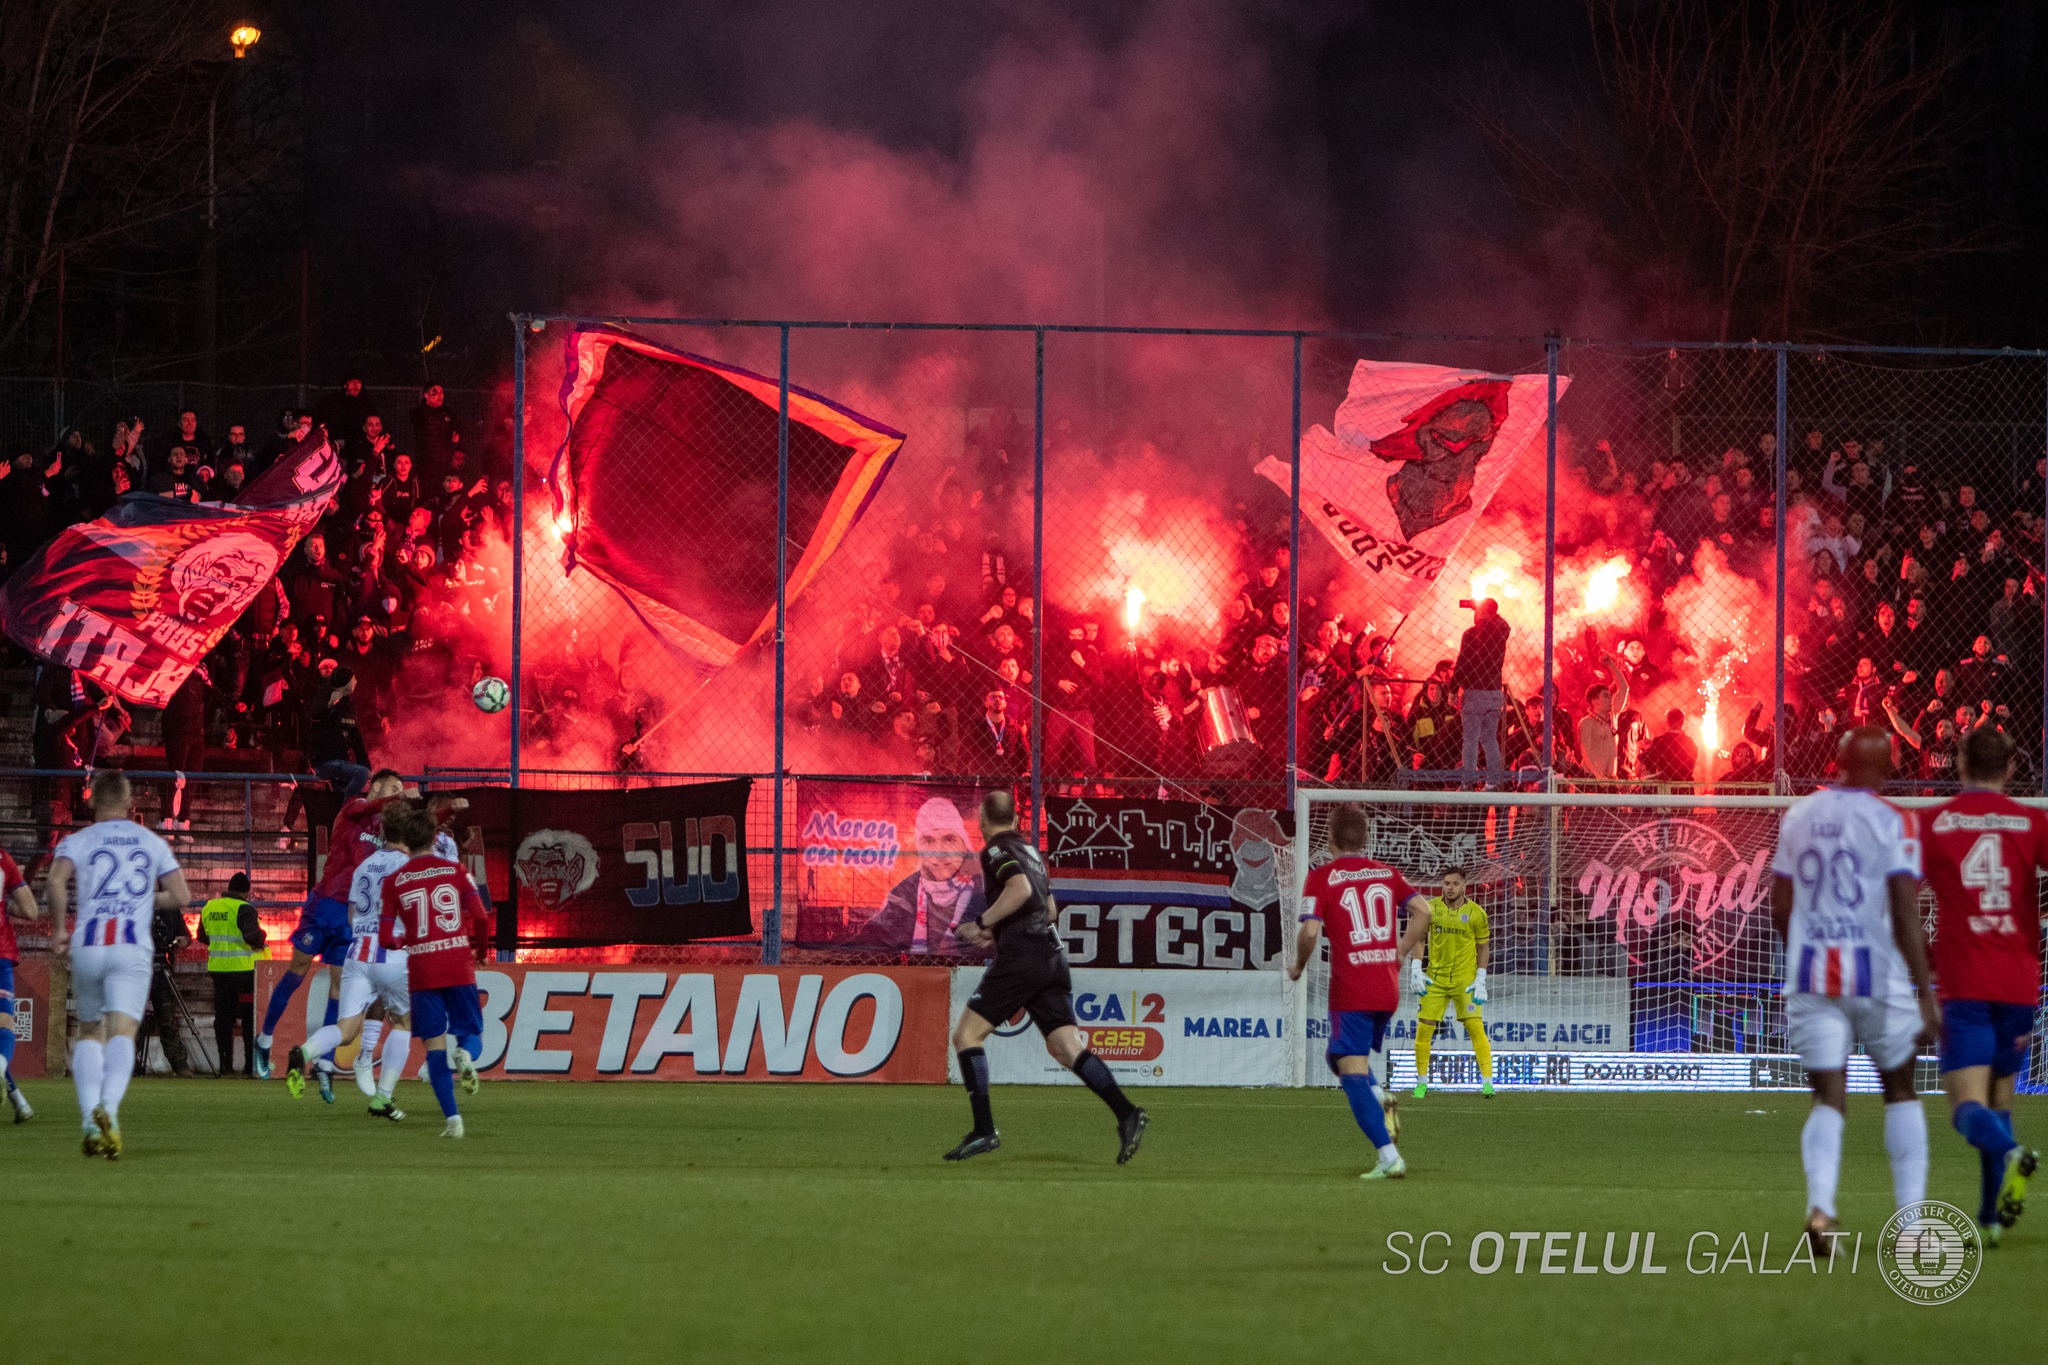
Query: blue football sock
[[333, 1015], [442, 1079], [1991, 1174], [1983, 1129], [472, 1043], [1365, 1107], [280, 995]]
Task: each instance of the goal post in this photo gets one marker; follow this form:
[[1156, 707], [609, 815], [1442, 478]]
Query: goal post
[[1631, 943]]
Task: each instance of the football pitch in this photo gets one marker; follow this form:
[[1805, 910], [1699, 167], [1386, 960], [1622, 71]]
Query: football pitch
[[587, 1222]]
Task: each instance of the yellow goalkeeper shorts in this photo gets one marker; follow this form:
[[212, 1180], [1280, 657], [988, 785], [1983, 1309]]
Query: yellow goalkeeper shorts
[[1437, 996]]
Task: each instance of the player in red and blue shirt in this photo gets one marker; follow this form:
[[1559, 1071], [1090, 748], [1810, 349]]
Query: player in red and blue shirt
[[1982, 852], [1361, 901], [429, 906], [323, 930], [15, 899]]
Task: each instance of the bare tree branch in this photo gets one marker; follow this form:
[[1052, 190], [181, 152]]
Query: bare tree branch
[[1750, 167]]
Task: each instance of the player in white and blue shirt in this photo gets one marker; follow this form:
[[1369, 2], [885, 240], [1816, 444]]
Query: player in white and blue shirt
[[371, 974], [119, 873], [1845, 900]]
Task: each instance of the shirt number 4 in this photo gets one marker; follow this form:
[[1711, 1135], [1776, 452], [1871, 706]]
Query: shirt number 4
[[1985, 872]]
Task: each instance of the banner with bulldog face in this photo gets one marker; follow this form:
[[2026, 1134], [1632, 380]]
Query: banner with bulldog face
[[590, 868], [1417, 453]]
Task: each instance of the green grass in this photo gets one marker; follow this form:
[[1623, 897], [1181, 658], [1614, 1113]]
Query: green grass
[[668, 1222]]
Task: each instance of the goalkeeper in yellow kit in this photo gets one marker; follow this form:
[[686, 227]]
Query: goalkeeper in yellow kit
[[1459, 945]]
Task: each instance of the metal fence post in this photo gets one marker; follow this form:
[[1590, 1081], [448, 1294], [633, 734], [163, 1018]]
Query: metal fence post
[[1294, 581], [1778, 527], [771, 922], [1551, 343], [519, 325], [1038, 587]]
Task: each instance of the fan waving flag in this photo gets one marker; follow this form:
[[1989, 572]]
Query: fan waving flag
[[137, 598], [1417, 454], [666, 487]]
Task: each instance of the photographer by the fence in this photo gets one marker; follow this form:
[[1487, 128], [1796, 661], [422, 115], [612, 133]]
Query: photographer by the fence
[[1482, 653]]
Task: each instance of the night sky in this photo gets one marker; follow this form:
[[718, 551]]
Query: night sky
[[464, 158]]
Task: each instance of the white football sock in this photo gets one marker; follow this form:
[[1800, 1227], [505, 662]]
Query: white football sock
[[88, 1064], [120, 1069], [1905, 1138], [397, 1043], [373, 1029], [1820, 1150], [325, 1039]]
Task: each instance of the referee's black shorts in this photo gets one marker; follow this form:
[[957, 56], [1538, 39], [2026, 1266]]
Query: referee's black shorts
[[1029, 974]]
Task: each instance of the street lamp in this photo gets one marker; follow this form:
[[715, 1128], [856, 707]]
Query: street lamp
[[241, 39]]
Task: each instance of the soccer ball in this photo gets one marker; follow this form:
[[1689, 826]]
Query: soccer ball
[[490, 695]]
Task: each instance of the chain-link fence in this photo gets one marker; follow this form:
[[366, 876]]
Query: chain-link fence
[[1100, 564]]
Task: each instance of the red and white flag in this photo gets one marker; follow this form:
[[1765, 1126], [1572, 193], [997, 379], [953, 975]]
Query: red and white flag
[[1416, 456], [135, 599]]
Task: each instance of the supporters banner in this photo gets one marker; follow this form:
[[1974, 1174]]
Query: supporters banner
[[1148, 883], [667, 477], [1416, 455], [887, 867], [1154, 1028], [651, 1023], [136, 598], [638, 865]]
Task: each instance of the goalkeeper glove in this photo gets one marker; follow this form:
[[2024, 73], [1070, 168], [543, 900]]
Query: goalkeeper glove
[[1479, 986], [1416, 978]]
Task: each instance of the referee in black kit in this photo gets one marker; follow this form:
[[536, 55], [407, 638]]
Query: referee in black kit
[[1029, 973]]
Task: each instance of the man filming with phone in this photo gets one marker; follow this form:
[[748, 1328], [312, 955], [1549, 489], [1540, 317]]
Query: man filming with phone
[[1481, 655]]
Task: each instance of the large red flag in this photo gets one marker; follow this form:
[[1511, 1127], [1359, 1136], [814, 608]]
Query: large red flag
[[667, 478], [1417, 453], [135, 599]]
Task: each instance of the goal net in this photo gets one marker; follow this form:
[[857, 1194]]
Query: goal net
[[1631, 942]]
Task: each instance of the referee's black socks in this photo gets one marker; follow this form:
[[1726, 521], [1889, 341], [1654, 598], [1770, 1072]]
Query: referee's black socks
[[1096, 1077], [974, 1071]]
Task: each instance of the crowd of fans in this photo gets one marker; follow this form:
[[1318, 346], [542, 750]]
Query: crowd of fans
[[1913, 603], [371, 604]]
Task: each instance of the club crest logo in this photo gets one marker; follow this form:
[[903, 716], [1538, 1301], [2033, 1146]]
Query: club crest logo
[[1930, 1252], [557, 865]]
